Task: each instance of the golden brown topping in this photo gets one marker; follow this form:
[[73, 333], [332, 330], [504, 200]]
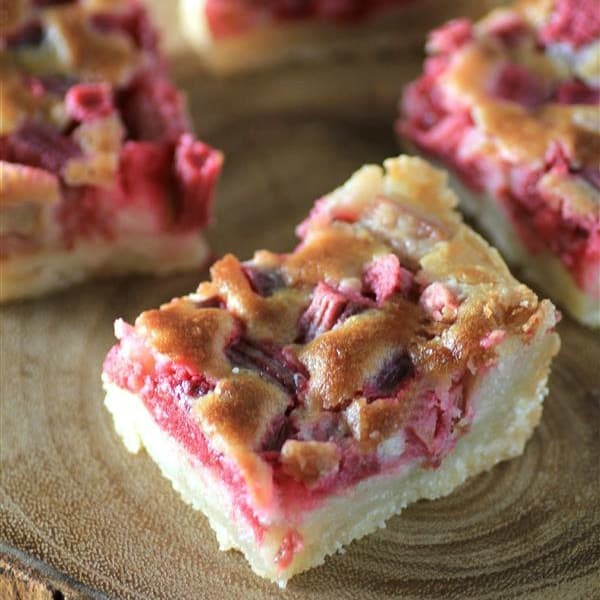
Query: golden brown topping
[[194, 336], [365, 364], [518, 132], [572, 195], [411, 234], [309, 461], [466, 258], [241, 408], [332, 254], [19, 183], [80, 49], [526, 135], [342, 360], [273, 318], [373, 422], [423, 188], [236, 416]]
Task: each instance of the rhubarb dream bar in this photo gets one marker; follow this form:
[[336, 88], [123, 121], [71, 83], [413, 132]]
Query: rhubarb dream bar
[[299, 400], [99, 173], [511, 105]]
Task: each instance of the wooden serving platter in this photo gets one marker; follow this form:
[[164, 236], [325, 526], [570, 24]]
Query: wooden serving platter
[[80, 517]]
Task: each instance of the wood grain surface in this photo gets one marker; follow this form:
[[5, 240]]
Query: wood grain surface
[[81, 517]]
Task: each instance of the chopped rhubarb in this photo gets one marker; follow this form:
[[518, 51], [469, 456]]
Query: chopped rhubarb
[[385, 276], [515, 83], [575, 22], [153, 109], [39, 145], [451, 36], [264, 281], [325, 309], [328, 308], [440, 302], [510, 28], [391, 376], [145, 175], [268, 361], [197, 167], [86, 102], [574, 91]]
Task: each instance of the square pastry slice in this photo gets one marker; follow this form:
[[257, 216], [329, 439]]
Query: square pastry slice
[[511, 106], [299, 400], [236, 34], [99, 172]]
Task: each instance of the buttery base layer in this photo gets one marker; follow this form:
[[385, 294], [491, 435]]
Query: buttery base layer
[[508, 405], [35, 274], [395, 28], [543, 270]]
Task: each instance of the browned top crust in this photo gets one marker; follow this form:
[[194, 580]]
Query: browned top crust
[[190, 335], [518, 132], [521, 132], [339, 362], [385, 272], [272, 318]]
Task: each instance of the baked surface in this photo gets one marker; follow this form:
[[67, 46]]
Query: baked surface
[[510, 105], [341, 378], [543, 269], [95, 148]]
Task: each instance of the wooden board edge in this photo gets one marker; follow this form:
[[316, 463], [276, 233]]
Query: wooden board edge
[[23, 576]]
